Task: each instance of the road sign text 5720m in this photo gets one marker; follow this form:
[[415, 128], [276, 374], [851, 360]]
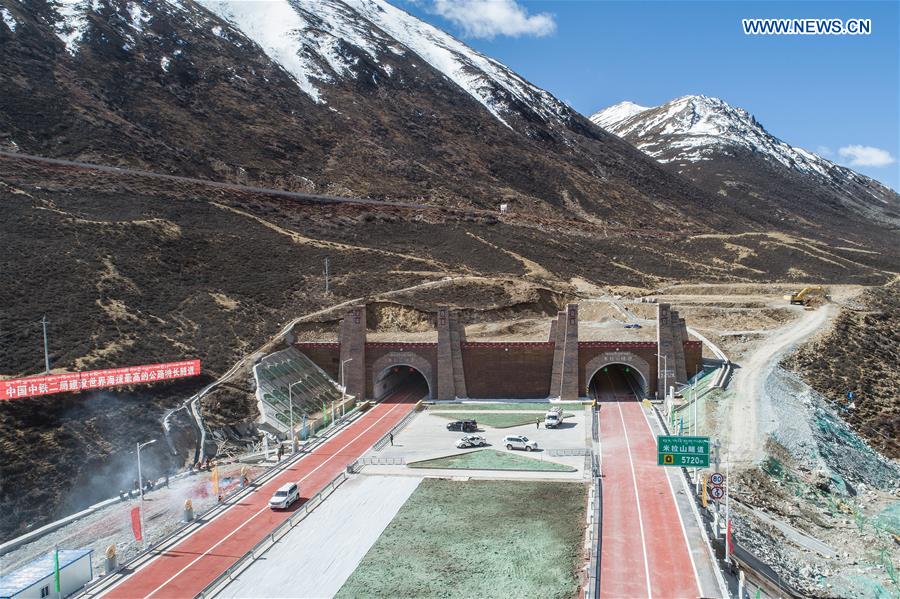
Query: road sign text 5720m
[[681, 451]]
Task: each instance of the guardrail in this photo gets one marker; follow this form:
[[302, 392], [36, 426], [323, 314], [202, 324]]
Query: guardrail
[[379, 461], [379, 445], [593, 587], [569, 451], [225, 578], [722, 376]]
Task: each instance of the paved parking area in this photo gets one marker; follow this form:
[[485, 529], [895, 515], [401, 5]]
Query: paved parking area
[[426, 437]]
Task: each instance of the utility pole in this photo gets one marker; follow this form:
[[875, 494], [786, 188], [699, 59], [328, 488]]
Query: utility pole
[[727, 513], [46, 351], [327, 273]]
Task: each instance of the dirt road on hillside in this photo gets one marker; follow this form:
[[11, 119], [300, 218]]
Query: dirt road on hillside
[[747, 428]]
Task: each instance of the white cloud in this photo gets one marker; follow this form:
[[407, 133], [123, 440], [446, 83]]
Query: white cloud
[[490, 18], [823, 151], [866, 156]]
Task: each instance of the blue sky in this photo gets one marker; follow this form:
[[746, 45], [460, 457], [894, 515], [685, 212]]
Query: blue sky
[[821, 93]]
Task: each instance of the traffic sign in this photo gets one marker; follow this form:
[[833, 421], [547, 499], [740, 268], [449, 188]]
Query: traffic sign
[[682, 451], [717, 492], [716, 478]]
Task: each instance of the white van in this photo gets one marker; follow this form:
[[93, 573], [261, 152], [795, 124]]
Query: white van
[[285, 496], [553, 417]]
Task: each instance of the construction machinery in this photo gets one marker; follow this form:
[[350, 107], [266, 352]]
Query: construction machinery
[[806, 295]]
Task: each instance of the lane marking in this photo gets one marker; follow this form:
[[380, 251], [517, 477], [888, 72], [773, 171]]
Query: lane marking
[[266, 507], [637, 501], [678, 511]]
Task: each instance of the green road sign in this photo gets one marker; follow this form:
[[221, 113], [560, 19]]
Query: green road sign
[[681, 451]]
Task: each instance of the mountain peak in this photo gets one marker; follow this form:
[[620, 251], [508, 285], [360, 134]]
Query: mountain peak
[[698, 133]]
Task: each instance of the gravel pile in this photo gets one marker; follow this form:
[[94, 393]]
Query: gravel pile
[[826, 482]]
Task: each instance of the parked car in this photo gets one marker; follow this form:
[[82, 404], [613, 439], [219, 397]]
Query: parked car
[[285, 496], [465, 426], [519, 442], [471, 441], [632, 326]]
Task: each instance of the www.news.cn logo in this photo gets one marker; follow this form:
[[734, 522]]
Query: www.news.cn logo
[[807, 26]]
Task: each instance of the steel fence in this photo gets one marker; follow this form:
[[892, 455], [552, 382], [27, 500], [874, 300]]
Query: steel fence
[[380, 461], [569, 451], [225, 578], [379, 445], [593, 587]]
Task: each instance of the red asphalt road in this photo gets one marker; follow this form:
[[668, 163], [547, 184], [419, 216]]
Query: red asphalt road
[[644, 552], [186, 569]]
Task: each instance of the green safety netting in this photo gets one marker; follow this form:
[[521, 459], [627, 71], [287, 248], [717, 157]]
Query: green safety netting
[[311, 385]]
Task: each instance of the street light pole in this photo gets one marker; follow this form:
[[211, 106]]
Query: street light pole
[[291, 408], [141, 487]]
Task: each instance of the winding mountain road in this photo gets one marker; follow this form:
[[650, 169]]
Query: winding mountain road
[[751, 400]]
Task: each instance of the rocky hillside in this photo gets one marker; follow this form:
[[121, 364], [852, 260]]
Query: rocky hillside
[[861, 354], [347, 97], [725, 150]]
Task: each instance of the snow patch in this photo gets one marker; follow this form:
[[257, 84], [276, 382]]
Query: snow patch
[[139, 17], [617, 113], [8, 19], [485, 79], [73, 24], [164, 63], [276, 27]]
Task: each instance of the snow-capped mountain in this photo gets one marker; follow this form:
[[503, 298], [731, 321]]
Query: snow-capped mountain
[[699, 136], [353, 97], [306, 37]]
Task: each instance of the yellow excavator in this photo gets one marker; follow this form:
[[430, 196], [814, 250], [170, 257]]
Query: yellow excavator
[[805, 295]]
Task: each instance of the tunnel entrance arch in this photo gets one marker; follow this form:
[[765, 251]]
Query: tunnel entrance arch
[[391, 370], [630, 364]]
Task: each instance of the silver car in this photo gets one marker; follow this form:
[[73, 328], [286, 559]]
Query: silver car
[[519, 442], [471, 441]]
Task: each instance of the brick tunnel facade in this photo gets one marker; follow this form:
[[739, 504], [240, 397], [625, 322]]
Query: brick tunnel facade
[[456, 368]]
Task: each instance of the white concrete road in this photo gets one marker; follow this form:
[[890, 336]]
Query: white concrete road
[[321, 552], [751, 408]]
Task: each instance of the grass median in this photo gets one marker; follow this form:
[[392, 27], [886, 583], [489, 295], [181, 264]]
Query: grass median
[[491, 459], [478, 539]]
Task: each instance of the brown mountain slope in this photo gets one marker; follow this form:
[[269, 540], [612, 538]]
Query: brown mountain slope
[[223, 109]]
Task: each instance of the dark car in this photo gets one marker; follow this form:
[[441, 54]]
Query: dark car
[[465, 426]]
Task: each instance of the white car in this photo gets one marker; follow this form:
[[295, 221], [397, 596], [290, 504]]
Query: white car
[[285, 496], [519, 442], [471, 441]]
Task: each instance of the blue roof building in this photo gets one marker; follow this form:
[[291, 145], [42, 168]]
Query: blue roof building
[[35, 579]]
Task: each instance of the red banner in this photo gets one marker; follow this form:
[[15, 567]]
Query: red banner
[[136, 523], [97, 379]]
